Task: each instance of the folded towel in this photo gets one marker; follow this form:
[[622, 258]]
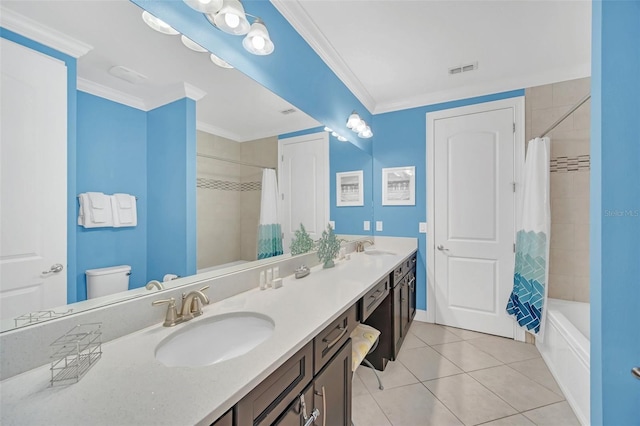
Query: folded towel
[[97, 210], [123, 215], [94, 218]]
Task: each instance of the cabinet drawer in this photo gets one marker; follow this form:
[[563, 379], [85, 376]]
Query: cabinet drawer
[[373, 298], [327, 343], [226, 420], [271, 397]]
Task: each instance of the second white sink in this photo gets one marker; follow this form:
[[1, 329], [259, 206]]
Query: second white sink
[[212, 340]]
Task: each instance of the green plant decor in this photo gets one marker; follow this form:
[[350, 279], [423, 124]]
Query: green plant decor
[[328, 247], [302, 242]]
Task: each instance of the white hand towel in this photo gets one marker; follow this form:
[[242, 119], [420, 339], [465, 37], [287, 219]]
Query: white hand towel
[[87, 216], [98, 212], [124, 216]]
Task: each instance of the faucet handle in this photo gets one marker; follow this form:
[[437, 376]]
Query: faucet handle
[[171, 318], [196, 307]]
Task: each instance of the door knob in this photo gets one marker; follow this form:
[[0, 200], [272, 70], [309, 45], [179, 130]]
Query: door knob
[[55, 268], [441, 248]]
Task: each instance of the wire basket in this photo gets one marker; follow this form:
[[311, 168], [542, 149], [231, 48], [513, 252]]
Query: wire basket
[[38, 316], [75, 353]]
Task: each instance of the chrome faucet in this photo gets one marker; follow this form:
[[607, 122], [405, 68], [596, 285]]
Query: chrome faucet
[[360, 245], [191, 307]]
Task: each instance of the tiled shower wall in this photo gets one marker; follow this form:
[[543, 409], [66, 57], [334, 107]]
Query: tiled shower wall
[[570, 155], [228, 198]]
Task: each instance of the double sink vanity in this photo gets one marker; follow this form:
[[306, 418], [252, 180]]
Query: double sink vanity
[[278, 356]]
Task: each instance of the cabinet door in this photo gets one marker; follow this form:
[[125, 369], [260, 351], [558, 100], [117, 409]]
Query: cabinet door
[[404, 307], [397, 319], [332, 390]]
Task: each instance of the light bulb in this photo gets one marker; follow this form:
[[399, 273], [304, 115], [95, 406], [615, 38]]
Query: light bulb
[[205, 1], [232, 20], [360, 126], [353, 120], [342, 139], [258, 42]]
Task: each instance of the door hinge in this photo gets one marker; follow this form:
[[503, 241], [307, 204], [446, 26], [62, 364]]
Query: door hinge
[[514, 187], [282, 158], [514, 247], [514, 127]]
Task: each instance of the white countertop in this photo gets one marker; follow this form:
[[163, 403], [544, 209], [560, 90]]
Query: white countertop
[[128, 386]]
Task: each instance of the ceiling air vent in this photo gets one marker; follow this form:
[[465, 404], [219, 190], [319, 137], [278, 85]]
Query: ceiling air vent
[[288, 111], [463, 68]]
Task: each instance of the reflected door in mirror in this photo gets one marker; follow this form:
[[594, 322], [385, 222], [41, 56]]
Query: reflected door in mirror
[[34, 184]]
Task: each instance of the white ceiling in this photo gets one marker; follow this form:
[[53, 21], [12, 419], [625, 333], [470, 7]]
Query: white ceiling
[[395, 54], [234, 106]]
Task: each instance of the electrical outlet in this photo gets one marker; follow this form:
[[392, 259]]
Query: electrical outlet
[[333, 224], [378, 225], [367, 225], [422, 228]]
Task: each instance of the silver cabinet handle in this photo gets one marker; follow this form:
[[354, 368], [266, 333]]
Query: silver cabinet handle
[[343, 331], [636, 372], [55, 268], [315, 413], [324, 406]]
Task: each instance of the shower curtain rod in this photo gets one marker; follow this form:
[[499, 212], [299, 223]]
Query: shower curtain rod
[[213, 157], [567, 114]]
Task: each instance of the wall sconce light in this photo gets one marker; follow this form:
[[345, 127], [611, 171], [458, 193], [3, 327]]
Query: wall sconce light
[[335, 134], [229, 16], [359, 126]]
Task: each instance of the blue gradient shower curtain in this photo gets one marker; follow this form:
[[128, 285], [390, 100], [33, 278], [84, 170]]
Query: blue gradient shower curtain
[[527, 301], [269, 229]]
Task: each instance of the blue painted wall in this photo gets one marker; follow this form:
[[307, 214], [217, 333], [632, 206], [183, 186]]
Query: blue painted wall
[[112, 157], [71, 150], [615, 212], [400, 140], [294, 71], [171, 189]]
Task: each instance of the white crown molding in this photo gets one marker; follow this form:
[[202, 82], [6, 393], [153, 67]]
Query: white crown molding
[[299, 19], [217, 131], [55, 39], [488, 88], [173, 93], [114, 95]]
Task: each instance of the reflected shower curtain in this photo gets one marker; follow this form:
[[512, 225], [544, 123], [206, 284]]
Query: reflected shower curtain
[[269, 229], [527, 301]]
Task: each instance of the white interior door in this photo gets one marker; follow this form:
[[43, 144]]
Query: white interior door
[[474, 219], [303, 177], [33, 178]]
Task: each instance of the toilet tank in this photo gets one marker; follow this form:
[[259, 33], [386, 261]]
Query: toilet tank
[[105, 281]]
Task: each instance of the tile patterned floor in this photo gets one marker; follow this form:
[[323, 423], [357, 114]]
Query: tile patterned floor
[[449, 376]]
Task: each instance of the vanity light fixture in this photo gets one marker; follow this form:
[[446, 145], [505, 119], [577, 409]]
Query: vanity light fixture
[[342, 138], [220, 62], [192, 44], [328, 129], [229, 16], [359, 126], [158, 24], [258, 41]]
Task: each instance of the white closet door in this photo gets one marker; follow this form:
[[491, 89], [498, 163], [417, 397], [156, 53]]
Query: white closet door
[[303, 177], [33, 156]]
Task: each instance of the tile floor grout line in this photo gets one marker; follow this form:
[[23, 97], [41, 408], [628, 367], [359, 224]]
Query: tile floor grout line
[[441, 402], [541, 384], [564, 398], [497, 396]]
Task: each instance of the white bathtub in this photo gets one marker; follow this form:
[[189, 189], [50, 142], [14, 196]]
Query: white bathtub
[[566, 349]]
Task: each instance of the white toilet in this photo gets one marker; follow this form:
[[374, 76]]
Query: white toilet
[[104, 281]]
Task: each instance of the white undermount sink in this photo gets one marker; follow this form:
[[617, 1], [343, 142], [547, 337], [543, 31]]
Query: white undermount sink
[[215, 339], [378, 252]]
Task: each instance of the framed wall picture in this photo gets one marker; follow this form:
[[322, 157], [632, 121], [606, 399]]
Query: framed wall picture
[[399, 186], [349, 189]]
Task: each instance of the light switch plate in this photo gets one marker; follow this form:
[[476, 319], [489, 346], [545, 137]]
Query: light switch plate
[[333, 224], [378, 225], [422, 228], [367, 225]]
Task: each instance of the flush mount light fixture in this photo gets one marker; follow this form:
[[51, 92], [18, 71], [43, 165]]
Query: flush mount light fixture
[[359, 126], [220, 62], [158, 24], [192, 44]]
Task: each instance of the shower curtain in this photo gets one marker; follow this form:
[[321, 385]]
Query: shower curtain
[[269, 229], [527, 301]]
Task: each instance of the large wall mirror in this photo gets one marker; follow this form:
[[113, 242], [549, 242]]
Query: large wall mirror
[[236, 128]]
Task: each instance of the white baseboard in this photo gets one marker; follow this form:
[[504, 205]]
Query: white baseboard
[[421, 315]]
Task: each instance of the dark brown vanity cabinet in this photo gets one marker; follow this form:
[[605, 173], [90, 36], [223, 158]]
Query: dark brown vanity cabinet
[[317, 377], [395, 314]]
